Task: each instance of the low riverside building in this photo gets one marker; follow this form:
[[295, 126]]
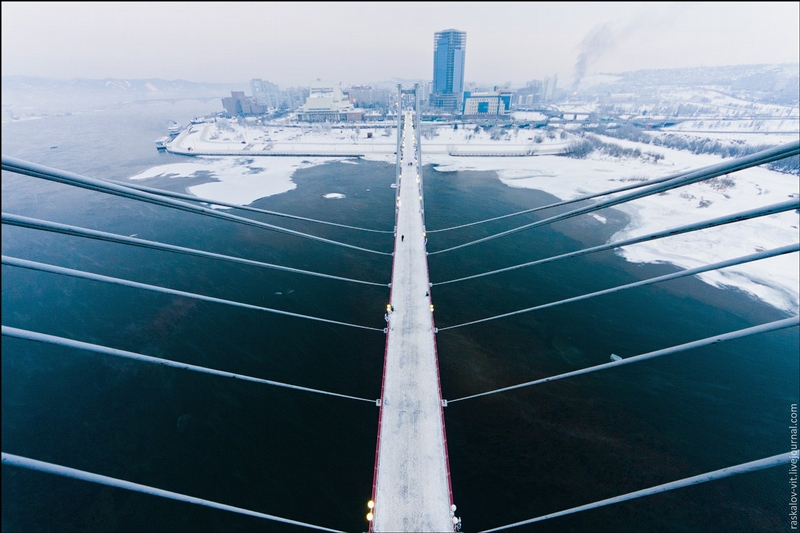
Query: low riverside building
[[327, 103], [486, 103]]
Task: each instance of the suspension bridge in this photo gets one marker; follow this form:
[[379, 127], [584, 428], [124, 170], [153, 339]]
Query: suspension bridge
[[412, 479], [412, 489]]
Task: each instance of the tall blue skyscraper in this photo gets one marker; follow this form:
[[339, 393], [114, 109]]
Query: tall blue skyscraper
[[449, 48]]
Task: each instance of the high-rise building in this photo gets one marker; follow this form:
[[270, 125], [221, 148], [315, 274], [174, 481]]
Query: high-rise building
[[266, 93], [449, 47]]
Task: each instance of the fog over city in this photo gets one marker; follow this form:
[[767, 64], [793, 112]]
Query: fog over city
[[353, 42]]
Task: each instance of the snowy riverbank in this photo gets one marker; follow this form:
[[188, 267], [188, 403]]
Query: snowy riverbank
[[245, 178]]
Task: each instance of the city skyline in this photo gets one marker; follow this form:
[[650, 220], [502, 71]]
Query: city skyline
[[293, 44]]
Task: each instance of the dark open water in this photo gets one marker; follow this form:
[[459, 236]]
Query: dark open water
[[308, 457]]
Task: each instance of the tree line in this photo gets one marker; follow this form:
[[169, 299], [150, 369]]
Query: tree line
[[590, 142]]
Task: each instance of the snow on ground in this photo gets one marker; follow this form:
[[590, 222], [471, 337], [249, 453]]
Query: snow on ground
[[751, 131], [577, 107], [723, 104], [230, 137], [773, 280], [774, 138], [245, 178], [528, 115], [787, 125], [471, 139], [237, 180], [411, 488], [707, 103]]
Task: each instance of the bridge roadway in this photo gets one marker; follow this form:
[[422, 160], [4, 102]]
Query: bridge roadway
[[411, 488]]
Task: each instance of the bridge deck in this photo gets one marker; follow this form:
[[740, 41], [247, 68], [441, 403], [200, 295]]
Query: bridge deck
[[412, 481]]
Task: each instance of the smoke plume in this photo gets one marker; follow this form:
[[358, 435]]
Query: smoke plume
[[597, 43]]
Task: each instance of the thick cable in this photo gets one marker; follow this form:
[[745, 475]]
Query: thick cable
[[51, 468], [18, 166], [9, 331], [566, 202], [746, 332], [76, 231], [683, 273], [719, 221], [43, 267], [752, 466], [713, 171], [192, 198]]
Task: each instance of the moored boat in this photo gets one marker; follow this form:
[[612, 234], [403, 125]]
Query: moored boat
[[174, 129]]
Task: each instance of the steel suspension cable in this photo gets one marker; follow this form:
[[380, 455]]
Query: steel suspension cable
[[746, 332], [752, 466], [51, 468], [39, 171], [43, 267], [719, 221], [713, 171], [76, 231], [566, 202], [237, 206], [25, 334], [675, 275]]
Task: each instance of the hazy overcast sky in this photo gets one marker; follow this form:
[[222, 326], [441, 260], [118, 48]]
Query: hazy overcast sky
[[293, 43]]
